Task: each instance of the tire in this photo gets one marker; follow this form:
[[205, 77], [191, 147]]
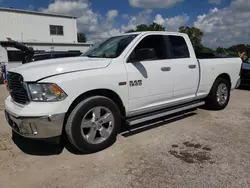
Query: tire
[[15, 135], [88, 110], [214, 102]]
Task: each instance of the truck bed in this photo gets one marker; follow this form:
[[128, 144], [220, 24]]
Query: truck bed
[[210, 70]]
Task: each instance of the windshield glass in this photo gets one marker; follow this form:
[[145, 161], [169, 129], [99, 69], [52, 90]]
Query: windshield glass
[[110, 48]]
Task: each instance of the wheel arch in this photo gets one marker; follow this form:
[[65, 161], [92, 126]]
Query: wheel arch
[[98, 92], [211, 100], [222, 75], [225, 76]]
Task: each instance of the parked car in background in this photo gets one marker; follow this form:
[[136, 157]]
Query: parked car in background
[[245, 73], [1, 74], [131, 78], [26, 54], [50, 55]]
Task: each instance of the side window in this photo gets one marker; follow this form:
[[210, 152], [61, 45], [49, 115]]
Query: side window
[[150, 48], [179, 47]]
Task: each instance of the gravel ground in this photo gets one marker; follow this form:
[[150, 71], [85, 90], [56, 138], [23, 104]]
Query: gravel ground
[[199, 149]]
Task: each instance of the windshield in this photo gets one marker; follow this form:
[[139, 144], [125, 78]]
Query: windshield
[[110, 48]]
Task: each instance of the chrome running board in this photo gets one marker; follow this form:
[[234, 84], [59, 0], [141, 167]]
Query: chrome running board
[[147, 117]]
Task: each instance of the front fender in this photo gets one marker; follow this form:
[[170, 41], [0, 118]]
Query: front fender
[[77, 83]]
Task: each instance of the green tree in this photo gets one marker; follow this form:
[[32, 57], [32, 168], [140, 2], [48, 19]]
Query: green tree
[[240, 48], [143, 27], [81, 37], [220, 50], [195, 36], [207, 50], [130, 31], [156, 27]]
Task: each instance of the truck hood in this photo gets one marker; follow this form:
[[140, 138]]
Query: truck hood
[[40, 69]]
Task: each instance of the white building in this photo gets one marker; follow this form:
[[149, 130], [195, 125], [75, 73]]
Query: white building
[[29, 26], [39, 30]]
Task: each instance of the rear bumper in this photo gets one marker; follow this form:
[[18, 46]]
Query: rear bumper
[[36, 127]]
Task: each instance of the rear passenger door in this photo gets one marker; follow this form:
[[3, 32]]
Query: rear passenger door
[[185, 68]]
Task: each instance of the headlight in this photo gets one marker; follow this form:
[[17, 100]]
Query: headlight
[[46, 92]]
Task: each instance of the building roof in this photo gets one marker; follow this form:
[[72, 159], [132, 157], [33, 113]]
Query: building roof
[[48, 44], [57, 44], [34, 13]]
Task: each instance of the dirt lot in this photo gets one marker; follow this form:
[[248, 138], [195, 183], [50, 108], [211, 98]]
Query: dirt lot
[[200, 149]]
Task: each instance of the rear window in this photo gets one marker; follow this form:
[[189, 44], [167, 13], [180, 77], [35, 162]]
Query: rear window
[[179, 47]]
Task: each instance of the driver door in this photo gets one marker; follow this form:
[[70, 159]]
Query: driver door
[[150, 80]]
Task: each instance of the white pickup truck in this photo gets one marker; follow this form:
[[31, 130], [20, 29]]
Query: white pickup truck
[[132, 78]]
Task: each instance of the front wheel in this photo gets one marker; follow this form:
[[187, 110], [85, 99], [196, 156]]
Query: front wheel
[[219, 95], [94, 124]]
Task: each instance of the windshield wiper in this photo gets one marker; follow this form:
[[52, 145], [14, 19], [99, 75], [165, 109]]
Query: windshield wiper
[[99, 56], [93, 56]]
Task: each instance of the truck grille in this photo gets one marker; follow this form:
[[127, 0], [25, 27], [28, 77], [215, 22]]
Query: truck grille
[[16, 88]]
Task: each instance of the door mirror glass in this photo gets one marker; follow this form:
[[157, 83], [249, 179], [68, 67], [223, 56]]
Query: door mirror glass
[[143, 54]]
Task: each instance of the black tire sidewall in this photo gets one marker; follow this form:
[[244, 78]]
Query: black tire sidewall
[[77, 137], [213, 103]]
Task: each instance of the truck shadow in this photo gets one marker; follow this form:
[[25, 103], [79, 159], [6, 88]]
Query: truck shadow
[[49, 147], [37, 147]]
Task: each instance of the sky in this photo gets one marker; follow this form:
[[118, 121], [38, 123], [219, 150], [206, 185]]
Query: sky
[[224, 22]]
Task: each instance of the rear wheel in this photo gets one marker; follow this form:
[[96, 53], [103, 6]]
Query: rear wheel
[[219, 95], [94, 124]]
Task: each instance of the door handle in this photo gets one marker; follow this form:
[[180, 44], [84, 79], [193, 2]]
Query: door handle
[[165, 69], [192, 66]]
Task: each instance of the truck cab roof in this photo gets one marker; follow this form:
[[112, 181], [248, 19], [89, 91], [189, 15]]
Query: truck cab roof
[[156, 32]]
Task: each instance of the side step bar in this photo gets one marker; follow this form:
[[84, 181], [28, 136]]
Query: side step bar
[[162, 113]]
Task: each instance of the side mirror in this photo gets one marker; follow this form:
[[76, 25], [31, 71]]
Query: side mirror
[[143, 54]]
